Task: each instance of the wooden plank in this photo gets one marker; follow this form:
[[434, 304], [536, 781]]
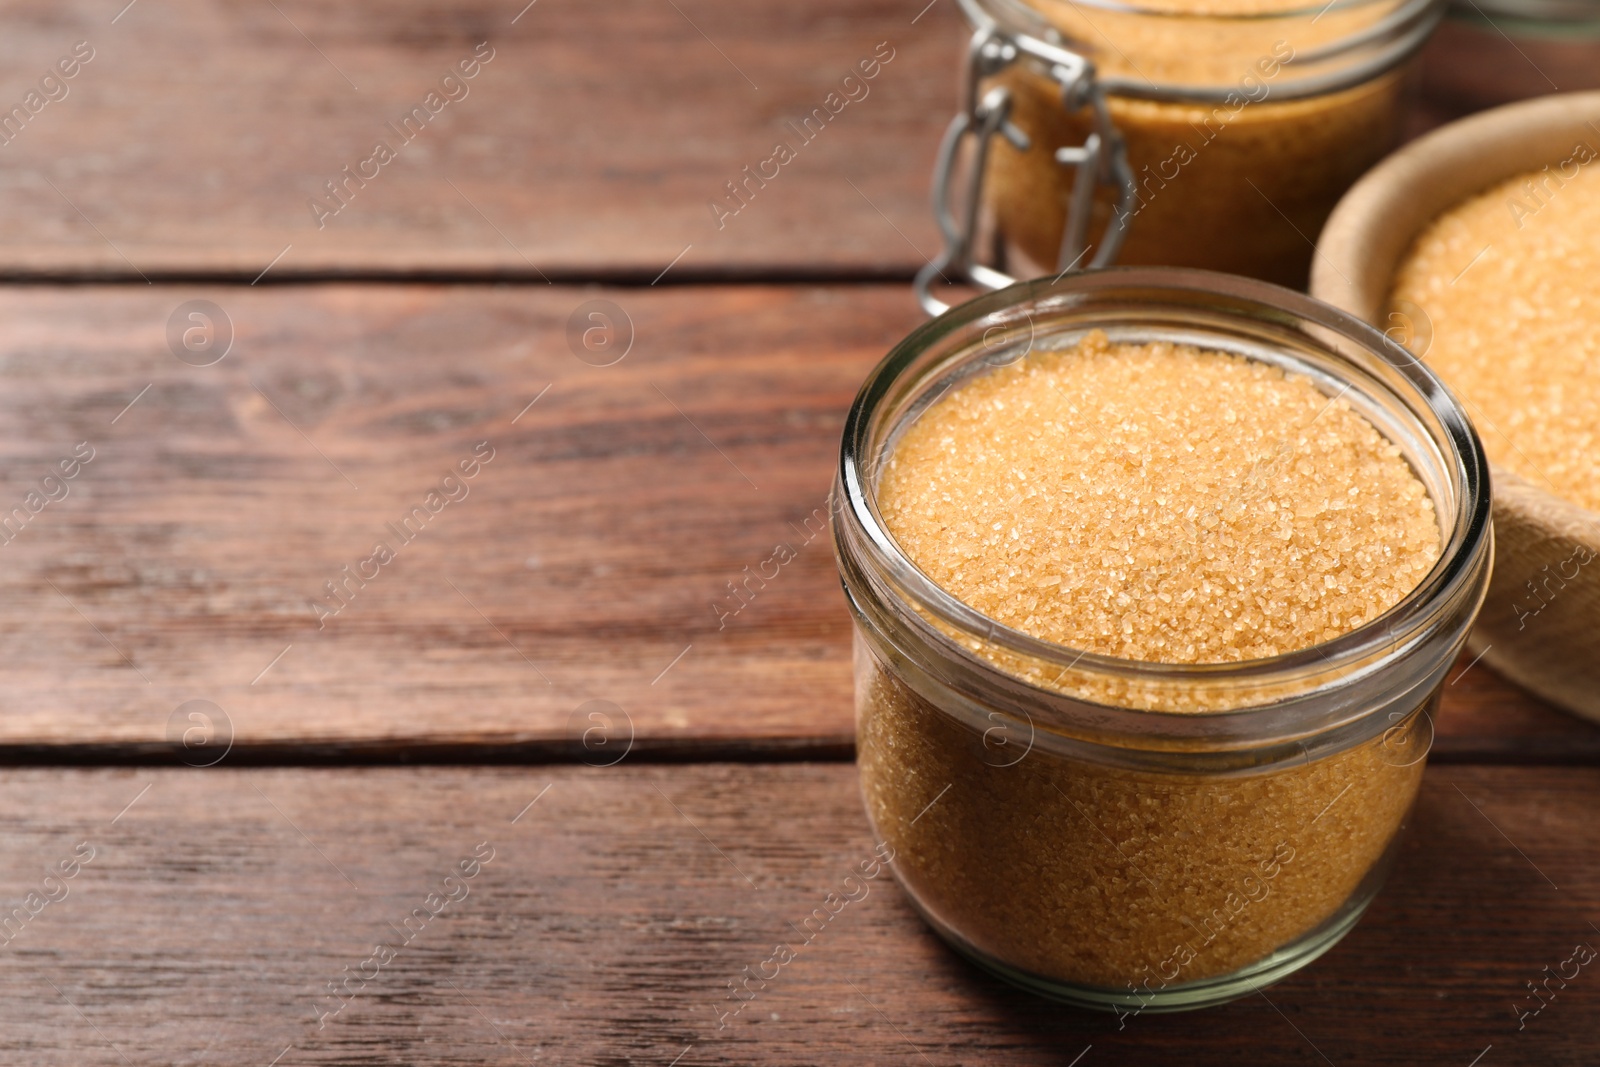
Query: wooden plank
[[1486, 718], [218, 906], [587, 561], [586, 557], [592, 142], [591, 145]]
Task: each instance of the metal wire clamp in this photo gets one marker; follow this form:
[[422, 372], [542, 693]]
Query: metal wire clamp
[[1101, 159]]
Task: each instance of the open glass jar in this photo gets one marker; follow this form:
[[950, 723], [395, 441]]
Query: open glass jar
[[1174, 132], [1138, 835]]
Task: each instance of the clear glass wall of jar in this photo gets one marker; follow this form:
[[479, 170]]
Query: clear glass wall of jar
[[1132, 835], [1216, 135]]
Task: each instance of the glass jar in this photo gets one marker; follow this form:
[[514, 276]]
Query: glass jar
[[1165, 132], [1137, 835]]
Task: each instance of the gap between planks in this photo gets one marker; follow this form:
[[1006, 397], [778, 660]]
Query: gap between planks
[[562, 752], [623, 278]]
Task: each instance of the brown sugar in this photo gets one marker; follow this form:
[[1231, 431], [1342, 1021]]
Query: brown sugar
[[1149, 502], [1194, 166], [1242, 184], [1501, 296], [1107, 877], [1157, 502]]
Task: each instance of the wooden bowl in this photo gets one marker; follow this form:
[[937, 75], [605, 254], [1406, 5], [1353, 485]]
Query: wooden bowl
[[1553, 652]]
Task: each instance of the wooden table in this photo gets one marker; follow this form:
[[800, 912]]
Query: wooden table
[[252, 792]]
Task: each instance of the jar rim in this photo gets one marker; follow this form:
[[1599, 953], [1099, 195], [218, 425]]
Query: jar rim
[[1397, 30], [1466, 537], [1301, 9]]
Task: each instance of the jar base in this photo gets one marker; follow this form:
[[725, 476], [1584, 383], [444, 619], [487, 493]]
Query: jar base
[[1189, 996]]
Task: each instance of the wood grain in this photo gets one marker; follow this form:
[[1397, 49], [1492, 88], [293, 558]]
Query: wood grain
[[591, 144], [589, 147], [219, 906], [594, 545], [586, 557], [582, 565]]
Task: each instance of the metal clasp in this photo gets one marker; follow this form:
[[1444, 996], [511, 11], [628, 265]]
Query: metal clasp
[[1102, 158]]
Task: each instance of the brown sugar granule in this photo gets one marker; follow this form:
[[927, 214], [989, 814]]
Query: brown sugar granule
[[1232, 184], [1199, 42], [1107, 877], [1501, 296], [1159, 502], [1153, 502]]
